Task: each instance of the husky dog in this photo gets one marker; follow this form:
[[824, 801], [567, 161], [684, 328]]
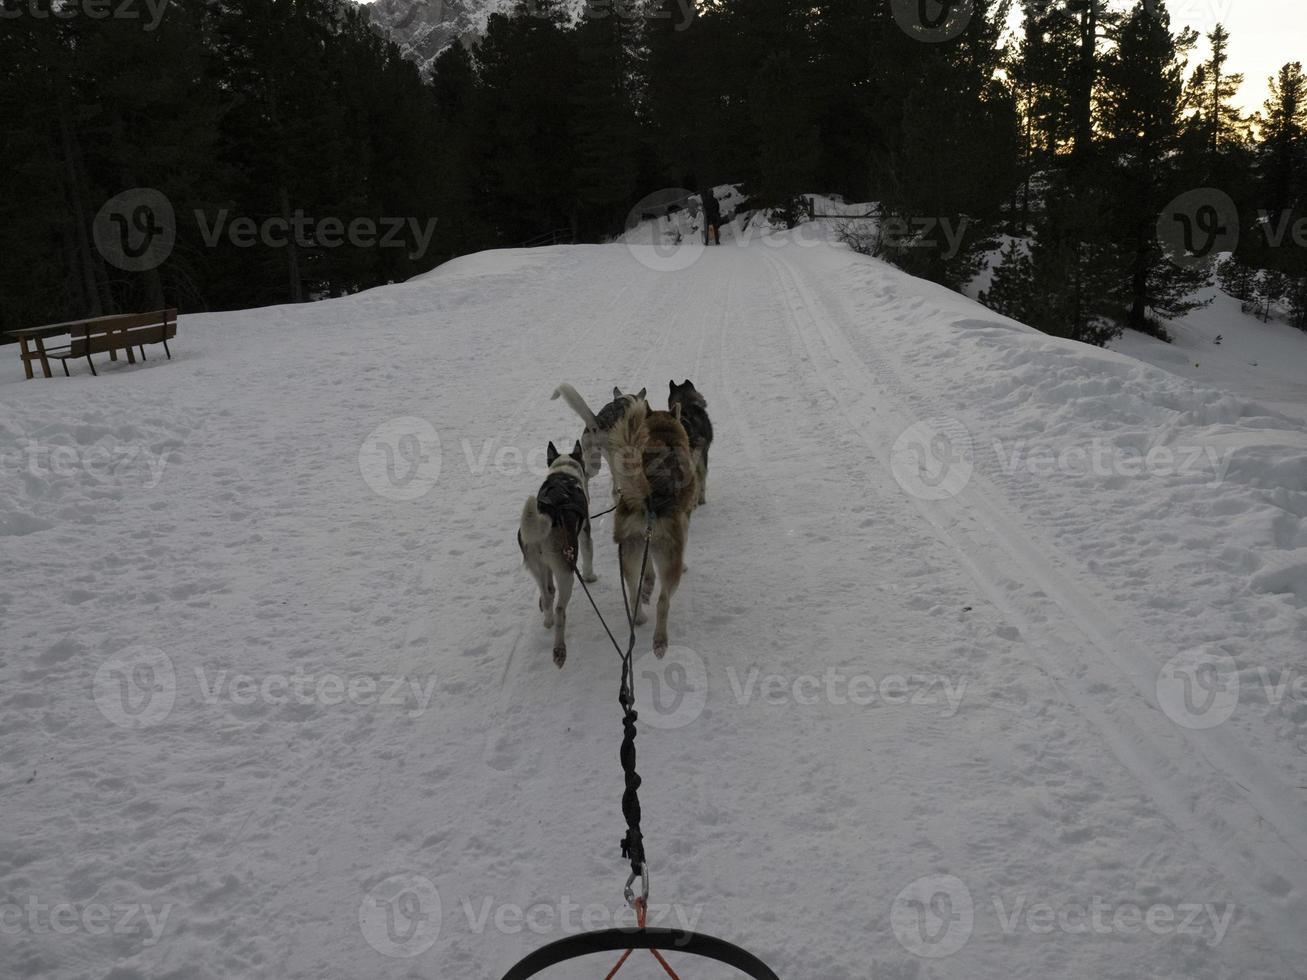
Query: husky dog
[[694, 417], [653, 471], [555, 528], [594, 440]]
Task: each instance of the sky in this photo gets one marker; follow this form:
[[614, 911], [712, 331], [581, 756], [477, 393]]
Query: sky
[[1264, 34]]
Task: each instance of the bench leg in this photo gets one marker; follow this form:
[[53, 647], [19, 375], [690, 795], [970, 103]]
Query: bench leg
[[64, 362], [166, 350], [45, 362], [92, 363], [113, 354], [142, 350], [26, 355]]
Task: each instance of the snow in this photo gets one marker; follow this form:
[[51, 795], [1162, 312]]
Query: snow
[[989, 661]]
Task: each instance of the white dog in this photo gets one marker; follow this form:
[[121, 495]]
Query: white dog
[[554, 532]]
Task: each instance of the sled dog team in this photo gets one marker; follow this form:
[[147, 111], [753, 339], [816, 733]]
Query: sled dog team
[[659, 463]]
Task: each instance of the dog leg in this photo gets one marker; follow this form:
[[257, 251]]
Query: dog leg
[[545, 601], [703, 476], [632, 550], [560, 618], [669, 567], [587, 555]]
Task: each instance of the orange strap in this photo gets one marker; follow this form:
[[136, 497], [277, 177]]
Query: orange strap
[[640, 919]]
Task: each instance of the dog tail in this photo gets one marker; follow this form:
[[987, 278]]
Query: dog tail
[[535, 525], [577, 403], [626, 445]]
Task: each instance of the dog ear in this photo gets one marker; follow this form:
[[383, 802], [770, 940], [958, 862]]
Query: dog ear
[[617, 392], [551, 454], [643, 392], [672, 386], [577, 454]]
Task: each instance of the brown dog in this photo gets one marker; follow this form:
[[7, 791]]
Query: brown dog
[[655, 475]]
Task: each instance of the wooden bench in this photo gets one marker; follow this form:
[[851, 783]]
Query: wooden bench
[[103, 334]]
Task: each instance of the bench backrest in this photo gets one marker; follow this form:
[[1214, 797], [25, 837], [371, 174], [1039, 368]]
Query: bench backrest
[[119, 332]]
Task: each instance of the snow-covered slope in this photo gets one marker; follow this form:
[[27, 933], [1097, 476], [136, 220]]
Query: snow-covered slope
[[1221, 346], [989, 661]]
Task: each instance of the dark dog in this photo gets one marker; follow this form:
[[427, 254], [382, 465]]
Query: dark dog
[[694, 418]]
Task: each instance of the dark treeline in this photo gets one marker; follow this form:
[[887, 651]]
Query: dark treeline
[[232, 109], [1069, 139], [1117, 132]]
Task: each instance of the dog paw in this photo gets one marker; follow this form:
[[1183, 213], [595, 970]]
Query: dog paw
[[549, 621], [589, 577], [660, 646], [560, 655], [641, 617]]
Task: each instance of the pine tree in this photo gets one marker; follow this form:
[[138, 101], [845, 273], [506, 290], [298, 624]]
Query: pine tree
[[1141, 99], [1068, 284], [1282, 191], [607, 151], [1213, 89]]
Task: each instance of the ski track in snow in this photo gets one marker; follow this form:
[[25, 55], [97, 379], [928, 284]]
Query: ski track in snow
[[1048, 602]]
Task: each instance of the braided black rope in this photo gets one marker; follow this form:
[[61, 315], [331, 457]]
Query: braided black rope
[[633, 841]]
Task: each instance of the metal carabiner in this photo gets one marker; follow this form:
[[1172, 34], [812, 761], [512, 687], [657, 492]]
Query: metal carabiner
[[644, 887]]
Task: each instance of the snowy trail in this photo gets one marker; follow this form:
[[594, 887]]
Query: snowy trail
[[1087, 649], [866, 689]]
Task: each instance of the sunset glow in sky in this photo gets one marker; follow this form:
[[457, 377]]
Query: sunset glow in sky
[[1264, 34]]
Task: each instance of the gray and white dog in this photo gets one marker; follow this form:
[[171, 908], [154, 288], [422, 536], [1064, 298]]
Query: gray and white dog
[[598, 427], [554, 533]]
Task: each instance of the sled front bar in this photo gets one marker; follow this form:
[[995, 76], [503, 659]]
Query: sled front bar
[[669, 940]]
